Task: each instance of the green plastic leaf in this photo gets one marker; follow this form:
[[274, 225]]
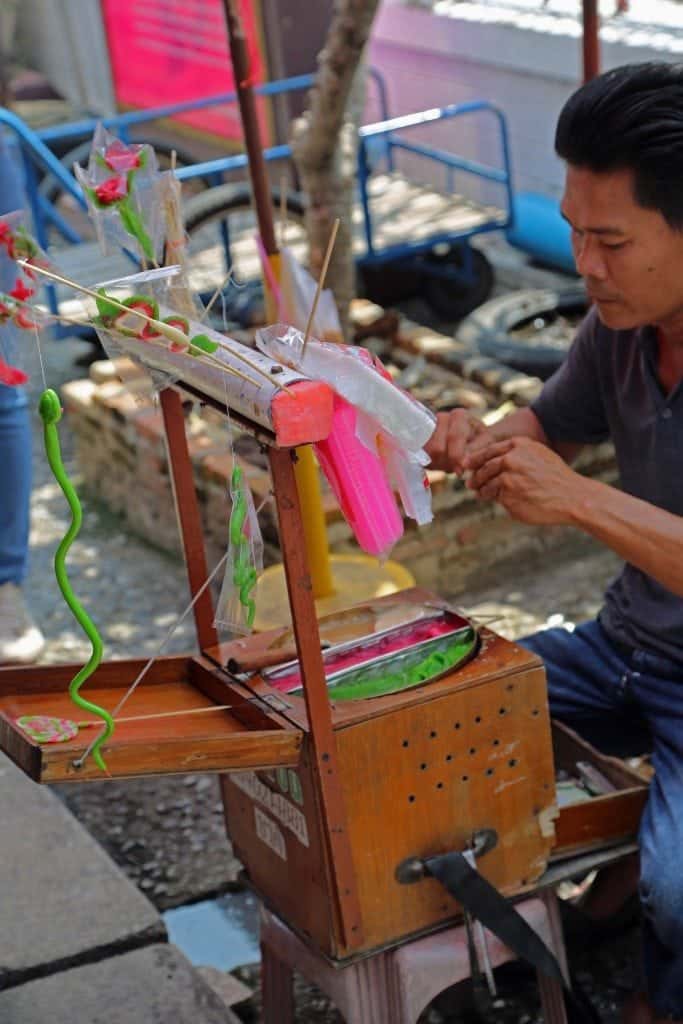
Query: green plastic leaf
[[105, 307], [203, 343]]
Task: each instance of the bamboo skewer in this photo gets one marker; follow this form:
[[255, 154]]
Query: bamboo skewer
[[160, 714], [226, 281], [321, 282], [172, 333]]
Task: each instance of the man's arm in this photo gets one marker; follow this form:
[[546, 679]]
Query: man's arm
[[536, 486], [459, 434]]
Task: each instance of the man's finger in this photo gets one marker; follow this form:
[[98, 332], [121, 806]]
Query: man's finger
[[461, 429], [474, 460]]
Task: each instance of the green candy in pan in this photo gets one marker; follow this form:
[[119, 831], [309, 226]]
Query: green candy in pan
[[405, 669]]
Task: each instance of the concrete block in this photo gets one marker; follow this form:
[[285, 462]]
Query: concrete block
[[140, 987], [62, 897]]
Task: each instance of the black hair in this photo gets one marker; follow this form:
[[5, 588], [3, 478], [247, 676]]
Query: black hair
[[631, 118]]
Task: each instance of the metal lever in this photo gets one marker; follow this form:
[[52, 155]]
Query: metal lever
[[413, 869]]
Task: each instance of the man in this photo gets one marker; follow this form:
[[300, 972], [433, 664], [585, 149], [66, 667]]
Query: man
[[621, 137]]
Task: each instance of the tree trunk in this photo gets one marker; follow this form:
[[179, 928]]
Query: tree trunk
[[325, 144]]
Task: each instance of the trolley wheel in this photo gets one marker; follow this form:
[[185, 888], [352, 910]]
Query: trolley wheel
[[225, 214], [450, 299]]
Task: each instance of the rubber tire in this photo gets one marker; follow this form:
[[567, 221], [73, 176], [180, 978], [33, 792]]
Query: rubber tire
[[217, 203], [487, 330], [449, 300]]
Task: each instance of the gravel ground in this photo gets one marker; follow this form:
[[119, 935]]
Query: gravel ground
[[167, 834]]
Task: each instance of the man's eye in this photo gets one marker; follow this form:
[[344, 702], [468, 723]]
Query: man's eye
[[613, 245]]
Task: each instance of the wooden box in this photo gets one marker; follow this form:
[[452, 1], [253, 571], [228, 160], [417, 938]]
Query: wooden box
[[421, 772]]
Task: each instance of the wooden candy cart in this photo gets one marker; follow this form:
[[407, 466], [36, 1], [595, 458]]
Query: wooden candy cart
[[326, 798]]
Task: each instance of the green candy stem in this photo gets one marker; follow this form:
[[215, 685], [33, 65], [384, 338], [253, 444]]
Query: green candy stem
[[244, 574], [51, 413]]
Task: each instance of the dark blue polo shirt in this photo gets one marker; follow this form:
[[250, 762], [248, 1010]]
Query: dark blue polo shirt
[[608, 388]]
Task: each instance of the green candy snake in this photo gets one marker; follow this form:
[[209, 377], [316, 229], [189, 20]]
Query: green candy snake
[[51, 412]]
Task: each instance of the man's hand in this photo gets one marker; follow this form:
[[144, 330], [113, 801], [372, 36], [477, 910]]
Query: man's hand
[[532, 482], [457, 433]]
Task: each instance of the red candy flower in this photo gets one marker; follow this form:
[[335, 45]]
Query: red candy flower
[[20, 291], [5, 233], [111, 190], [121, 159], [10, 375], [23, 320]]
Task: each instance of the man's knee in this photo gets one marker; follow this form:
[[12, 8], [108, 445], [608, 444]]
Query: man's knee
[[661, 896]]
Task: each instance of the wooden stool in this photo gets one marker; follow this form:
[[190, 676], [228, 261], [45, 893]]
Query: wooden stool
[[395, 986]]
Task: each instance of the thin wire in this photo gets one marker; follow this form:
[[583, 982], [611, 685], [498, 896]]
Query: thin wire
[[218, 292], [40, 356], [79, 762]]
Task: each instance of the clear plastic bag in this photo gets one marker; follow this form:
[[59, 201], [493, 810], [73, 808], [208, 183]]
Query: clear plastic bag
[[236, 606], [122, 187]]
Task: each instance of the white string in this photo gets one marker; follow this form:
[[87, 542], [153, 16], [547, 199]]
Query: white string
[[40, 355], [131, 690]]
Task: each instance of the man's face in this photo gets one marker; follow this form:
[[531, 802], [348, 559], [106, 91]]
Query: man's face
[[629, 257]]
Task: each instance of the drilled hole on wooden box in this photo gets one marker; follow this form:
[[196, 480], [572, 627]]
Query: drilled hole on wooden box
[[449, 757], [477, 719], [502, 711], [405, 743], [411, 798], [513, 762], [457, 725], [439, 785], [473, 751], [423, 766], [433, 734], [490, 771], [496, 743], [465, 778]]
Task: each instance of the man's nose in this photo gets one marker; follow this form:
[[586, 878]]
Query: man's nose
[[588, 258]]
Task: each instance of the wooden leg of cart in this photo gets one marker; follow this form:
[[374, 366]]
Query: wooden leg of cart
[[277, 994], [552, 996]]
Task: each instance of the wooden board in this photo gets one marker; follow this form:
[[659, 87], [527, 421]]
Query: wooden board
[[173, 740]]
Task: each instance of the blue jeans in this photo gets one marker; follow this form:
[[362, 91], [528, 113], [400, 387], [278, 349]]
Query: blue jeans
[[15, 484], [15, 426], [632, 702]]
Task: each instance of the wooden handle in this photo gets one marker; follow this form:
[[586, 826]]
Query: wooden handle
[[254, 661]]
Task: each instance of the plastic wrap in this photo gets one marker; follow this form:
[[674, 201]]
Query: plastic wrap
[[236, 606], [191, 353], [122, 187], [351, 372]]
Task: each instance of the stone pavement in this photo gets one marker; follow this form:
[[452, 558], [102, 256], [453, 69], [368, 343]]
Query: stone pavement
[[79, 943]]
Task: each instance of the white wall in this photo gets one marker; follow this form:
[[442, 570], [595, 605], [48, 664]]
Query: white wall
[[65, 39], [526, 61]]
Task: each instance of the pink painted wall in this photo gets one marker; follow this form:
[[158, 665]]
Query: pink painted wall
[[168, 51]]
